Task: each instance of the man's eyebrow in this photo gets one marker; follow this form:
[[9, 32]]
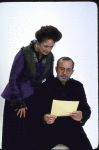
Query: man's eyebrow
[[47, 46], [61, 67]]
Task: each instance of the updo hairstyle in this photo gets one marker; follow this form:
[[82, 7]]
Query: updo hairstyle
[[48, 32]]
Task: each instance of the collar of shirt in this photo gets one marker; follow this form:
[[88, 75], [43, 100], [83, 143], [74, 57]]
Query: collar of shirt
[[61, 82], [37, 55]]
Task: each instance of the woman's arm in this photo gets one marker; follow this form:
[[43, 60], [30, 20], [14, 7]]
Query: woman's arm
[[16, 70]]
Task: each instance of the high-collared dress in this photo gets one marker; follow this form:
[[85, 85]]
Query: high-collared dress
[[27, 73]]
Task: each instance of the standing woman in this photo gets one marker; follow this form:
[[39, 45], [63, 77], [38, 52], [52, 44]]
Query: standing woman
[[32, 65]]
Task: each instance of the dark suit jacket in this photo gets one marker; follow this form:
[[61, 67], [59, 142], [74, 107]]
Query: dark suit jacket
[[72, 91]]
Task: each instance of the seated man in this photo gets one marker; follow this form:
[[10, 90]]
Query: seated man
[[65, 130]]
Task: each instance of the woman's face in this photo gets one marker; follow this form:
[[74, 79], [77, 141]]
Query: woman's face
[[46, 46]]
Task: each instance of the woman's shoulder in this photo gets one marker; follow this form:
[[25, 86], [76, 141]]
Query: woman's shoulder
[[29, 46], [18, 55]]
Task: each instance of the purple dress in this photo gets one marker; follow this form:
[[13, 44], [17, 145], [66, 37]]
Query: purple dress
[[25, 77]]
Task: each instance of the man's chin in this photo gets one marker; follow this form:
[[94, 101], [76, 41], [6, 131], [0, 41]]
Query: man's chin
[[63, 80]]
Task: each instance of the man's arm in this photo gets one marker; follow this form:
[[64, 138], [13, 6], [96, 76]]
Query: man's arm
[[83, 105]]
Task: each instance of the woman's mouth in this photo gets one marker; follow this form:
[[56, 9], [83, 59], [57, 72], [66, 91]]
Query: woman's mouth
[[46, 53]]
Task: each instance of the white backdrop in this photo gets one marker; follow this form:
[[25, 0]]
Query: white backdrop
[[78, 23]]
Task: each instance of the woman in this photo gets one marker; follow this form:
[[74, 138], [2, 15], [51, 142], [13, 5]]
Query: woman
[[32, 65]]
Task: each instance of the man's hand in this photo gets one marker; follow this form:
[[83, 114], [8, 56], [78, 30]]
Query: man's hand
[[77, 115], [21, 111], [49, 118]]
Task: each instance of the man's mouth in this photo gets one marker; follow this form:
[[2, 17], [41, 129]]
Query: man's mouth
[[63, 77]]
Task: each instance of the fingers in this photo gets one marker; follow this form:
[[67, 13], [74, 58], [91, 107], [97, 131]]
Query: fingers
[[49, 118], [22, 112], [50, 121], [18, 112], [26, 108], [16, 109], [77, 115]]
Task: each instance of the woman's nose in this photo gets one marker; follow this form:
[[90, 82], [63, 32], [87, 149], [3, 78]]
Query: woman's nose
[[49, 49]]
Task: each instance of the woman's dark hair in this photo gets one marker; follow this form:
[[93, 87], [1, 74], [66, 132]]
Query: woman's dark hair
[[48, 32]]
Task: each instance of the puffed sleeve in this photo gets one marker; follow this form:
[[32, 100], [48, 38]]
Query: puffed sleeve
[[12, 92]]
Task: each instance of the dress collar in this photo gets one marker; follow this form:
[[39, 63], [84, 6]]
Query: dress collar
[[32, 43]]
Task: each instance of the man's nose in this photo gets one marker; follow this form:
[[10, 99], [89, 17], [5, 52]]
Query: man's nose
[[65, 72]]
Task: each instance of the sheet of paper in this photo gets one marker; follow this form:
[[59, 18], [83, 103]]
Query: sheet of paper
[[63, 108]]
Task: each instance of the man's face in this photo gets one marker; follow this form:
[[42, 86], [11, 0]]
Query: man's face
[[64, 70]]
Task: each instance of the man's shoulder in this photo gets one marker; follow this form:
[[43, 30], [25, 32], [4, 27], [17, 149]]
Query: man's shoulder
[[51, 80], [75, 82]]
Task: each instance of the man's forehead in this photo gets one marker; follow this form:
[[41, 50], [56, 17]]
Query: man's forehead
[[64, 61]]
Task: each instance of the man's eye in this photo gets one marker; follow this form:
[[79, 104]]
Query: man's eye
[[69, 70], [61, 68]]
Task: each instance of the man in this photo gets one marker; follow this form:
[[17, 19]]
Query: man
[[65, 130]]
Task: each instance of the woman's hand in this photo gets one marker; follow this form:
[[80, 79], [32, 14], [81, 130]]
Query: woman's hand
[[21, 112]]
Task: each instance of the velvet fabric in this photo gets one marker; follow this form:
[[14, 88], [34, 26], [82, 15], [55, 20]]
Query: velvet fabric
[[24, 74], [25, 79]]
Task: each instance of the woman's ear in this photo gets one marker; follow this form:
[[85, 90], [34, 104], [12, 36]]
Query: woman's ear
[[37, 43]]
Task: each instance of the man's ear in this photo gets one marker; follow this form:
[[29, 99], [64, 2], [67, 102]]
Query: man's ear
[[56, 69], [72, 71]]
